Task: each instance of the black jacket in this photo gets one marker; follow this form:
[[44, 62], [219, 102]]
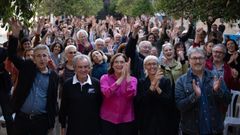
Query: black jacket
[[27, 74], [136, 58], [80, 108], [155, 113], [5, 79]]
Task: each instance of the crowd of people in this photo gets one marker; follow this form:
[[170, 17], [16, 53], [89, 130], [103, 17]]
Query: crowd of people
[[132, 76]]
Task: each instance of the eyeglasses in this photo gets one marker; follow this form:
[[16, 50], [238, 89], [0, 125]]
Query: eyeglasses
[[231, 44], [151, 64], [72, 52], [218, 52], [197, 58], [119, 62]]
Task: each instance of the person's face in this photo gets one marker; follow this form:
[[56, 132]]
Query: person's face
[[29, 55], [118, 65], [108, 41], [57, 49], [71, 53], [151, 38], [155, 32], [70, 42], [145, 49], [151, 67], [117, 38], [179, 49], [99, 46], [218, 54], [82, 37], [41, 58], [231, 46], [154, 51], [97, 57], [82, 69], [27, 45], [168, 52], [214, 27], [197, 61], [209, 48]]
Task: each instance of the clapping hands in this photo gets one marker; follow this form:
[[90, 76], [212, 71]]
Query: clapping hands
[[155, 82]]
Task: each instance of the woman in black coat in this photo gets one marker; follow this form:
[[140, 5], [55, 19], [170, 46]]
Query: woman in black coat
[[155, 102]]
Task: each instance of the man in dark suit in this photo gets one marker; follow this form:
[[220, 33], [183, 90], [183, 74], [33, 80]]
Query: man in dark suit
[[5, 89], [81, 100], [35, 97]]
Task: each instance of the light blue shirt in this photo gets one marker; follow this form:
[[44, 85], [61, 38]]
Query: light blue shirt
[[37, 98]]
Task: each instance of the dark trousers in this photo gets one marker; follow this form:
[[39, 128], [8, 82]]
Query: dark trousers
[[205, 134], [6, 110], [26, 125], [109, 128]]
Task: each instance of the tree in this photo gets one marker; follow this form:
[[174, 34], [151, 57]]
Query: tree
[[134, 7], [21, 9], [205, 10], [70, 7]]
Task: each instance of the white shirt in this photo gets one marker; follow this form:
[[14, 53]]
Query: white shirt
[[75, 80]]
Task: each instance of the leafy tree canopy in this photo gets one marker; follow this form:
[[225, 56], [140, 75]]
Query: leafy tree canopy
[[134, 7], [70, 7], [201, 9], [21, 9]]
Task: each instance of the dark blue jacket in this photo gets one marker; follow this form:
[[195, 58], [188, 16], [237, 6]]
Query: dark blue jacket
[[188, 103]]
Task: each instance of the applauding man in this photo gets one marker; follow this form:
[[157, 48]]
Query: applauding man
[[198, 97]]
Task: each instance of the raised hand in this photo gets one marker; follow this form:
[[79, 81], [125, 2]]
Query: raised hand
[[127, 68], [135, 29], [181, 55], [196, 88], [40, 24], [16, 26]]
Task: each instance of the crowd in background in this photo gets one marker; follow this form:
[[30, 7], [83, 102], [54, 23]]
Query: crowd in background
[[130, 73]]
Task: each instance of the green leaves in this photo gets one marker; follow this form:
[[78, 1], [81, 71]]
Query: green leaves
[[201, 9], [70, 7], [134, 7], [23, 10]]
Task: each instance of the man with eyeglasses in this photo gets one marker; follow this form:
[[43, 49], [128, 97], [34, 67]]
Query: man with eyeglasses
[[199, 95], [217, 65], [220, 68]]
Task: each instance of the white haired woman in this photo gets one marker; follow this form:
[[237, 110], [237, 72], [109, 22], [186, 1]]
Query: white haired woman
[[155, 108], [84, 46], [173, 68]]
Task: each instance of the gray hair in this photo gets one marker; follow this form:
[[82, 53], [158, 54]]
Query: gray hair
[[99, 40], [68, 47], [81, 57], [195, 50], [148, 58], [167, 45], [145, 42], [41, 47], [221, 46], [83, 32]]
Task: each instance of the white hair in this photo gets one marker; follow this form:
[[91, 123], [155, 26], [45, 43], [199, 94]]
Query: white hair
[[83, 32], [68, 47], [148, 58], [145, 42], [81, 57], [99, 40]]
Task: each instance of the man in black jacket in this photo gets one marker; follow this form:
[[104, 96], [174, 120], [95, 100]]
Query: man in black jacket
[[81, 100], [5, 89], [35, 97]]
